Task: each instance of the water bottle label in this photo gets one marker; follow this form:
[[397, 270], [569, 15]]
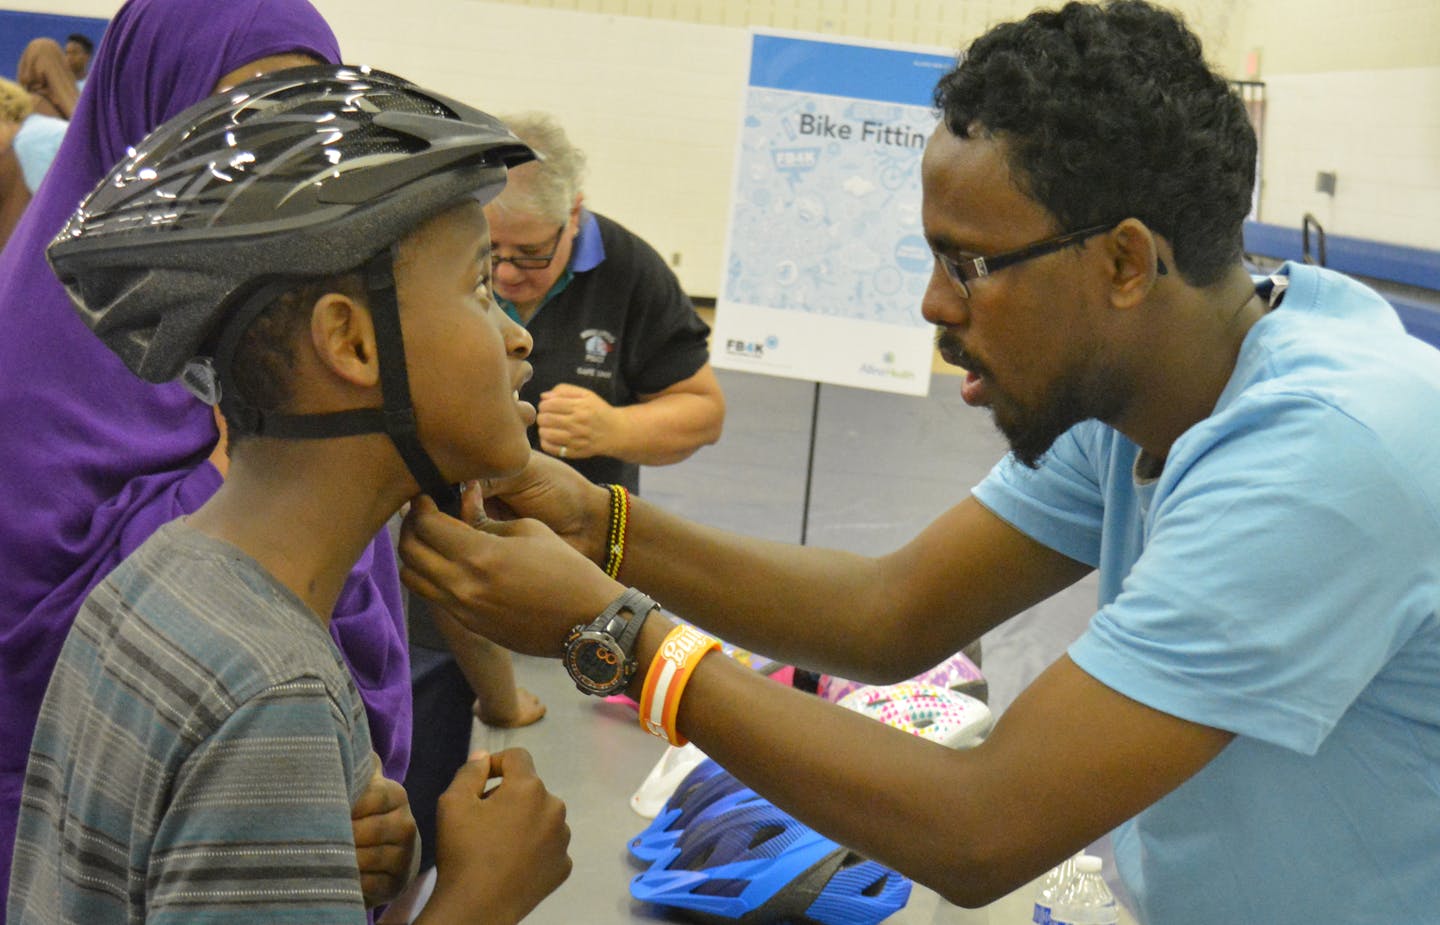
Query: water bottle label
[[1088, 914], [1041, 915]]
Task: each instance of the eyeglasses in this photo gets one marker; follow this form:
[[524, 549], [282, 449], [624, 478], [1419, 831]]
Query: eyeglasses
[[532, 261], [963, 272]]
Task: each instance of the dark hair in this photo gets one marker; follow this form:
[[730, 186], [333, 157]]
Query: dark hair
[[82, 40], [263, 368], [1109, 111]]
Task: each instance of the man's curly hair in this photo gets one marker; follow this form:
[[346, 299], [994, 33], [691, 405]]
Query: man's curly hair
[[1109, 111]]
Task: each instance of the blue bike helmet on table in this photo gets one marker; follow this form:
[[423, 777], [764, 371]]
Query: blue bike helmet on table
[[706, 791], [754, 863]]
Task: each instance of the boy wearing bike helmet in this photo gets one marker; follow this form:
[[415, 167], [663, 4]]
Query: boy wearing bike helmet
[[309, 250]]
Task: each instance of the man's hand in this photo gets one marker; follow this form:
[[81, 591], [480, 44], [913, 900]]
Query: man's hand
[[500, 851], [485, 578], [579, 422], [387, 843], [554, 494]]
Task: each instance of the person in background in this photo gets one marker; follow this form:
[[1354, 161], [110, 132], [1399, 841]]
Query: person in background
[[78, 52], [622, 368], [34, 140], [15, 108], [107, 459], [43, 72], [202, 744], [1251, 465]]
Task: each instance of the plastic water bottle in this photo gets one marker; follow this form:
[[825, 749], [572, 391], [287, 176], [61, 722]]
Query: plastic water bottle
[[1085, 900], [1049, 889]]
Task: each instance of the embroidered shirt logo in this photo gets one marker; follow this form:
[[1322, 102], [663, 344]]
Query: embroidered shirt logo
[[598, 345]]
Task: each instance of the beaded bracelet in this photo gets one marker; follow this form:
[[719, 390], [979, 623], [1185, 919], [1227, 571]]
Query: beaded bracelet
[[670, 671], [619, 525]]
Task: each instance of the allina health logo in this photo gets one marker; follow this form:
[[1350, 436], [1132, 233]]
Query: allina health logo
[[886, 369]]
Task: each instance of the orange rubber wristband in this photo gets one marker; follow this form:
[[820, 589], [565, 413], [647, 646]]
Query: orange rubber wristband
[[674, 663]]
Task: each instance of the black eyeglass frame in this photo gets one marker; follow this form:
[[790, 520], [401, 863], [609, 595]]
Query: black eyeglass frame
[[963, 272], [532, 261]]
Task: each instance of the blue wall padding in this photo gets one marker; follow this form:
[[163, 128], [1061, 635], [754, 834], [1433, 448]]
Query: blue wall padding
[[17, 29], [1412, 266]]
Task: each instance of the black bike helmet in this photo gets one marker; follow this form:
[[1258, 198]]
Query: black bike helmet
[[295, 175]]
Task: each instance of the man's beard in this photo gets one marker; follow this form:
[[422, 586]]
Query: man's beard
[[1081, 393], [1031, 432]]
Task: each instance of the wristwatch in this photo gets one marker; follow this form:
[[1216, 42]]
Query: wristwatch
[[600, 655]]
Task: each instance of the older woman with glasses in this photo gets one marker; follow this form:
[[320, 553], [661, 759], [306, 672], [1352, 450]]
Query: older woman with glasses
[[622, 372]]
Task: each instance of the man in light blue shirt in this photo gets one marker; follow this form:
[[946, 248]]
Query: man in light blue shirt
[[1252, 467], [1275, 576]]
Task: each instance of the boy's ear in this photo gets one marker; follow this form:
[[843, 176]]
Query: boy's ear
[[343, 336]]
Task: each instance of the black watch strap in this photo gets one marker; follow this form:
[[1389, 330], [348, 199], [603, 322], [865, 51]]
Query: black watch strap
[[638, 606]]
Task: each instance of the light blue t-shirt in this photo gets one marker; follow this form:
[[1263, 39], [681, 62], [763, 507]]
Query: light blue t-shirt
[[1280, 579], [35, 146]]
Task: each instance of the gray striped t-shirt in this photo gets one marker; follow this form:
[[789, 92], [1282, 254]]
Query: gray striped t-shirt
[[198, 750]]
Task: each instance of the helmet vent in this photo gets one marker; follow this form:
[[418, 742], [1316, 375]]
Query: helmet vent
[[764, 834], [876, 887], [721, 887], [696, 861], [372, 139]]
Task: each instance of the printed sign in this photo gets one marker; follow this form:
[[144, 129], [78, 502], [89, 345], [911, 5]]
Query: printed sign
[[825, 257]]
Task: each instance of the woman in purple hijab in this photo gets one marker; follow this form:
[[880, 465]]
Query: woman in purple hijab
[[92, 459]]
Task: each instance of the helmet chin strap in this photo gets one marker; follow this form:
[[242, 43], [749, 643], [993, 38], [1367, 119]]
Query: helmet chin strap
[[396, 419]]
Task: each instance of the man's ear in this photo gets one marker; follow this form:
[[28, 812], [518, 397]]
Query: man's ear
[[343, 335], [1136, 262]]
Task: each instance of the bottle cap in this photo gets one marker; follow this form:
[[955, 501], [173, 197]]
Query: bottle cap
[[1089, 864]]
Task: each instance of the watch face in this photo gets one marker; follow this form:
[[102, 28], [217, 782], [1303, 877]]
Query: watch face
[[596, 664]]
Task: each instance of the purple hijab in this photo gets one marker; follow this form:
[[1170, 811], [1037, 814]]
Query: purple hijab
[[92, 459]]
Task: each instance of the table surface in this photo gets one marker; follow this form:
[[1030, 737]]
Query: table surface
[[594, 755]]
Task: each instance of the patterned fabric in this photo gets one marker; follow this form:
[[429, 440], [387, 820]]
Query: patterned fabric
[[197, 753]]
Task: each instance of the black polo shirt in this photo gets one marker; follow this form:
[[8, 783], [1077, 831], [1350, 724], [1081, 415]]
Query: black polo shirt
[[616, 323]]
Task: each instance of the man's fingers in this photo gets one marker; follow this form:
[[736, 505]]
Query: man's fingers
[[440, 557], [472, 504], [421, 585], [495, 509], [445, 537], [432, 544]]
